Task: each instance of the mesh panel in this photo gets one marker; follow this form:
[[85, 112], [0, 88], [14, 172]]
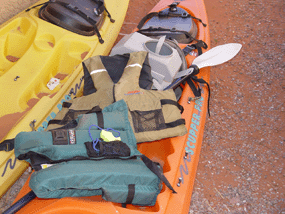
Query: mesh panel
[[148, 120], [114, 149]]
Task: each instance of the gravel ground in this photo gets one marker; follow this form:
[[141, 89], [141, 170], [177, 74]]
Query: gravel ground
[[241, 165]]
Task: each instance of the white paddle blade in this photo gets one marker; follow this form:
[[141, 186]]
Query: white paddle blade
[[217, 55]]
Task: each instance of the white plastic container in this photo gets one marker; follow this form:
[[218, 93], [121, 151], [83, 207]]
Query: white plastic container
[[164, 60]]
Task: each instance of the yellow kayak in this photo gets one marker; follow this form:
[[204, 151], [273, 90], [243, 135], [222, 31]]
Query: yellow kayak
[[40, 67]]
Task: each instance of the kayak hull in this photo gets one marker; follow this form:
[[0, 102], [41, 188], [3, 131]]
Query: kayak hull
[[51, 52], [179, 155]]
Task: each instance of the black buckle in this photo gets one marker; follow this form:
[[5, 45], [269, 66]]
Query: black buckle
[[188, 49], [59, 137]]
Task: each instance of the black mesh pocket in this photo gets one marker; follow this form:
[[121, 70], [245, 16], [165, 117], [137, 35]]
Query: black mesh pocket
[[148, 120], [113, 149]]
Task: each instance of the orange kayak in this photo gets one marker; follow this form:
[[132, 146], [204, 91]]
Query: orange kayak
[[179, 155]]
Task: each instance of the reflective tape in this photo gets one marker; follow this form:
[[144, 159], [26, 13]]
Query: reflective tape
[[97, 71], [133, 65]]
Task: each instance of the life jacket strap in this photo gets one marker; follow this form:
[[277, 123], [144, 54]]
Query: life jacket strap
[[172, 102], [72, 115], [197, 91], [7, 145], [131, 193], [156, 170]]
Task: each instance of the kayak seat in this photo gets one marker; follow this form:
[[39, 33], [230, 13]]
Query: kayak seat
[[182, 29]]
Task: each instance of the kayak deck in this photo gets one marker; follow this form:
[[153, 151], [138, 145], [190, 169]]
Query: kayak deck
[[179, 156], [43, 51]]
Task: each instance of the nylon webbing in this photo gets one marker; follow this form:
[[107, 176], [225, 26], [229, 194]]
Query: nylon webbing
[[40, 159], [131, 193], [170, 30], [100, 119], [175, 123], [156, 170], [197, 91], [160, 14], [172, 102], [71, 112], [7, 145], [66, 105], [199, 45]]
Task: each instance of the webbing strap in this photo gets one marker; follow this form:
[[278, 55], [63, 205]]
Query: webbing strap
[[166, 29], [100, 119], [199, 45], [7, 145], [66, 105], [197, 91], [156, 170], [172, 102], [175, 123], [38, 159], [70, 114], [161, 14], [131, 193]]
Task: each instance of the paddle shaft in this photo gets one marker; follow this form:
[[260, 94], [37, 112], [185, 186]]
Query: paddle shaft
[[19, 204], [192, 69], [214, 56]]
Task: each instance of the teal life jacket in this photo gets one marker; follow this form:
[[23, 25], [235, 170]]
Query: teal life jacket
[[77, 139], [67, 163]]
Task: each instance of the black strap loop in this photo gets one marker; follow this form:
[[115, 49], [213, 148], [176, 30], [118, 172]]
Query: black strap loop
[[160, 14], [100, 118], [156, 170], [71, 115], [7, 145], [27, 10], [199, 45], [172, 102], [66, 105], [175, 123], [197, 91], [131, 193], [188, 35]]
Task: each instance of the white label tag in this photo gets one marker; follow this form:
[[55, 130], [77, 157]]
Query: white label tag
[[72, 136], [53, 83]]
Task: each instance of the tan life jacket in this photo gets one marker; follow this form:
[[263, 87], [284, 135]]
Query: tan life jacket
[[153, 115]]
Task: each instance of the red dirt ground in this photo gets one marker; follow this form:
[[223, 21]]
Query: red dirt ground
[[241, 167]]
